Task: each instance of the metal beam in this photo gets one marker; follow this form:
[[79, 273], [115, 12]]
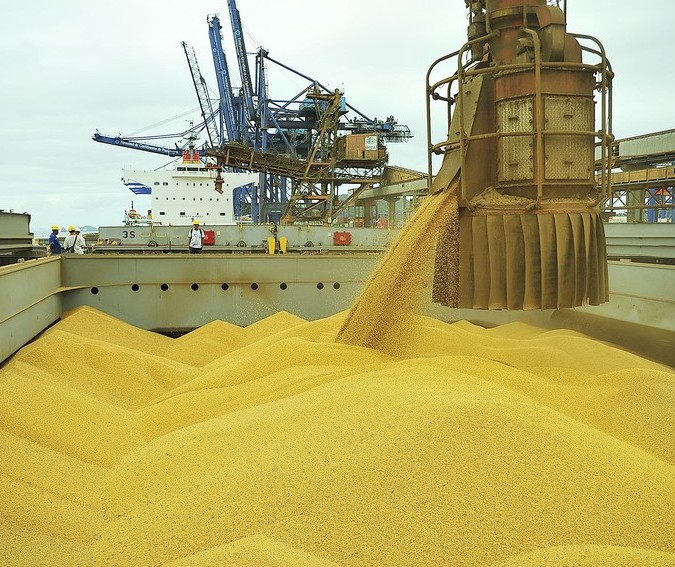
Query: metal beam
[[640, 240], [395, 189]]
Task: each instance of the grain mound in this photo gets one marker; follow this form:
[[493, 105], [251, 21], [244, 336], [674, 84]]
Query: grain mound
[[277, 445]]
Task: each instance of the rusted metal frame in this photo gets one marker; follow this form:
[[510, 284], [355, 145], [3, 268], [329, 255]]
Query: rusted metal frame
[[430, 91], [316, 197], [463, 73], [443, 147], [333, 194], [547, 133], [312, 166], [354, 175], [448, 81], [260, 161], [571, 65], [432, 148], [552, 183], [605, 133], [619, 202], [310, 207], [503, 13], [447, 144]]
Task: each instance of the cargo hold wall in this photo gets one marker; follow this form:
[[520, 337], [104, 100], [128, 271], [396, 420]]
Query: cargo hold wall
[[31, 301], [181, 292]]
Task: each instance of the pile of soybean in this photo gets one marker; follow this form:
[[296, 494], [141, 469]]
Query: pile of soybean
[[275, 445]]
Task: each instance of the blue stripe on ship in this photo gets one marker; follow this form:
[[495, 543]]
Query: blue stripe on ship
[[138, 188]]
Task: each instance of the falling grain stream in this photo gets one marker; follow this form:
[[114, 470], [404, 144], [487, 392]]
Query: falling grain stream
[[381, 315]]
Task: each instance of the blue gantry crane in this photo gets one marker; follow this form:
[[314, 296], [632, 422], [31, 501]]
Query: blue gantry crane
[[280, 138], [247, 107], [227, 110]]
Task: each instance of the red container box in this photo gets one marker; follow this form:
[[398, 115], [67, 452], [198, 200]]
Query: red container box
[[209, 237], [342, 238]]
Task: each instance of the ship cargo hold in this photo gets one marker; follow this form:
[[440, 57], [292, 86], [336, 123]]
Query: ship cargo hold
[[488, 382]]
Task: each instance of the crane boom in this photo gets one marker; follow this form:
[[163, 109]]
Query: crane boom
[[134, 145], [202, 95], [227, 110], [242, 60]]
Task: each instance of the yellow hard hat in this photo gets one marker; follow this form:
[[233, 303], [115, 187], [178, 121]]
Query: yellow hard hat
[[71, 228], [55, 227], [195, 221]]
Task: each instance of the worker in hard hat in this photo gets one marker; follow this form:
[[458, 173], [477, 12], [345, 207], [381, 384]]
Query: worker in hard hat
[[80, 243], [195, 238], [71, 240], [54, 242]]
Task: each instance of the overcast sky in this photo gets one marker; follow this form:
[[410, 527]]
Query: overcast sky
[[73, 66]]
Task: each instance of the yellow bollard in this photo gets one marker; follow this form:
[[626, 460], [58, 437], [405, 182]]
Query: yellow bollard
[[283, 243], [271, 243]]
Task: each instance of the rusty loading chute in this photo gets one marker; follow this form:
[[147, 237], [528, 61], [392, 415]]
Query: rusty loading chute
[[520, 156]]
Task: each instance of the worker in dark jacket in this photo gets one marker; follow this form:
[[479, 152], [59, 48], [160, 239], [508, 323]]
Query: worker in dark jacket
[[54, 242]]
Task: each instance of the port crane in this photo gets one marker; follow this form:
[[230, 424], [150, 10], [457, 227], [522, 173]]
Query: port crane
[[249, 130], [304, 127]]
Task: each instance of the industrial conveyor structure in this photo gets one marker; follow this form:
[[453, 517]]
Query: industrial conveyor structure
[[355, 159], [643, 189], [519, 153]]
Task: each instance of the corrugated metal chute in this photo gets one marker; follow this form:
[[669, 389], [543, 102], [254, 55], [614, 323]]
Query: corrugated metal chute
[[523, 261]]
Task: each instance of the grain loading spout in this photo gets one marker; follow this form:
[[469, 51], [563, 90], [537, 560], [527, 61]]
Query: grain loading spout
[[522, 142]]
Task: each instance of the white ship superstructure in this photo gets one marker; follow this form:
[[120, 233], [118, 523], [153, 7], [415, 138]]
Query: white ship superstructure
[[187, 191]]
